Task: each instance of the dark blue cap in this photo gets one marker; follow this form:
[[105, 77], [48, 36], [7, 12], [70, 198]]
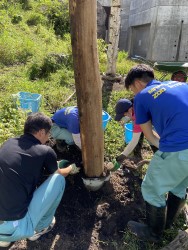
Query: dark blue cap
[[122, 106]]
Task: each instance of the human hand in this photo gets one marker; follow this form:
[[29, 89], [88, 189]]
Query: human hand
[[75, 169], [63, 164], [120, 158]]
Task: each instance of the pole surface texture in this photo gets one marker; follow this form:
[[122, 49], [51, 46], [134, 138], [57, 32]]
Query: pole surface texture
[[88, 84]]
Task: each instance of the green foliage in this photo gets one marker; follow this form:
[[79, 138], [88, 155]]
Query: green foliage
[[4, 21], [54, 100], [113, 136], [58, 15], [34, 71], [11, 121], [35, 19], [50, 64], [26, 4], [102, 48], [123, 63], [114, 133], [37, 39], [67, 77], [16, 19], [14, 49]]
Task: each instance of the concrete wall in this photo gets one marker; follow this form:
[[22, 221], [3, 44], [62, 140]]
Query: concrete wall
[[154, 29], [106, 3], [142, 14], [168, 36], [170, 42], [123, 38]]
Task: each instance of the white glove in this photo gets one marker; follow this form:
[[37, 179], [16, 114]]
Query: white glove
[[74, 170]]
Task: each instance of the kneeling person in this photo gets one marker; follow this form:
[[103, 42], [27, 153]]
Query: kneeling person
[[26, 208]]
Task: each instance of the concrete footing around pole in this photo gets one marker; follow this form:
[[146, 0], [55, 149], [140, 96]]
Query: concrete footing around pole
[[94, 184]]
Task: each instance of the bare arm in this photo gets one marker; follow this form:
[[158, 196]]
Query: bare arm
[[149, 133], [64, 171], [132, 144]]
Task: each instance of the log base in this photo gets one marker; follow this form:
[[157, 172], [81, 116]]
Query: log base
[[94, 184]]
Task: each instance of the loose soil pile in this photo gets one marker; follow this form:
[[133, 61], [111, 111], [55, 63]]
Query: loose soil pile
[[87, 220]]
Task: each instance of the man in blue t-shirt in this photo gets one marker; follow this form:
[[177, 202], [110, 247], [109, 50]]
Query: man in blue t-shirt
[[66, 126], [163, 105]]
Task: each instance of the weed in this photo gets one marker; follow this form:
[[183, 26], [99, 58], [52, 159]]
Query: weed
[[35, 19], [16, 19], [12, 121], [59, 21]]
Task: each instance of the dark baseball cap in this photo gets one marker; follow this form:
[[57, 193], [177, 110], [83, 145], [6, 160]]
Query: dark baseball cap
[[122, 106]]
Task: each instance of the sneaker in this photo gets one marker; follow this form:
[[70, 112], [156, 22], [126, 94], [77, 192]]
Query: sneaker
[[4, 244], [36, 235]]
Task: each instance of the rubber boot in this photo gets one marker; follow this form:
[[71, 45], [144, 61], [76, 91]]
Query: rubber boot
[[174, 207], [156, 220]]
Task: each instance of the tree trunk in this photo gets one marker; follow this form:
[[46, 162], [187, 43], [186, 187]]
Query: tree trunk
[[179, 243], [114, 30], [88, 84]]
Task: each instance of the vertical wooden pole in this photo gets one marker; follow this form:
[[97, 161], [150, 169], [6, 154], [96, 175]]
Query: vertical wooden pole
[[114, 30], [88, 84]]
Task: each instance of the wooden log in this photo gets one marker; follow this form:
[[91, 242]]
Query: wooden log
[[179, 243], [114, 30], [181, 240], [88, 83]]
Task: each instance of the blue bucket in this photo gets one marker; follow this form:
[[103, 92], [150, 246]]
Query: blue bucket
[[105, 119], [29, 101], [128, 132]]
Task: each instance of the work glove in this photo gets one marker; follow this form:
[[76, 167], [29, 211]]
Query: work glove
[[113, 166], [75, 169], [63, 164], [120, 158]]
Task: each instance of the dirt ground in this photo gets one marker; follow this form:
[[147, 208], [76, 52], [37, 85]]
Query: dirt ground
[[87, 220]]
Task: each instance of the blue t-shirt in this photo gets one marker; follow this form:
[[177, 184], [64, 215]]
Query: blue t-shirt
[[68, 118], [166, 105]]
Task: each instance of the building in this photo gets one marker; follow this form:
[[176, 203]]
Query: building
[[154, 29]]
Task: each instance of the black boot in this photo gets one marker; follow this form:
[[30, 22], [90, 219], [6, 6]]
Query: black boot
[[156, 219], [174, 207]]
